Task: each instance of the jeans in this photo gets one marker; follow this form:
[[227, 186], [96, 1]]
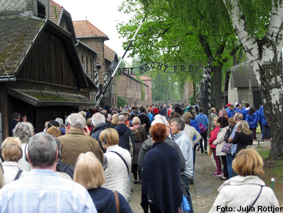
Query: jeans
[[254, 132], [224, 162], [229, 159], [194, 157], [266, 132], [194, 154], [186, 185], [217, 160], [203, 137]]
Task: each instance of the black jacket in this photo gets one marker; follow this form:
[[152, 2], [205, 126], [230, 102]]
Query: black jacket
[[163, 111], [97, 131], [126, 139], [145, 120]]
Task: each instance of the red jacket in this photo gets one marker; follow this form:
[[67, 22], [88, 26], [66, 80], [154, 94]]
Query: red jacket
[[213, 136]]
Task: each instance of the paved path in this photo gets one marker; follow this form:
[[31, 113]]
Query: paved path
[[203, 192]]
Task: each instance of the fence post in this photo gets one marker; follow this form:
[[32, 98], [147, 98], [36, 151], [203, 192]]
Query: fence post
[[272, 183]]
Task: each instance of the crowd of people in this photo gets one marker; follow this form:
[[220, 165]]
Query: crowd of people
[[84, 162]]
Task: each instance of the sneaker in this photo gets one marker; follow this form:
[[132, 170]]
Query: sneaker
[[205, 152], [265, 140], [218, 174], [136, 181], [202, 153], [223, 178]]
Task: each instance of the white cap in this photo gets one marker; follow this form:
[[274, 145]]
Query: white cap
[[236, 104]]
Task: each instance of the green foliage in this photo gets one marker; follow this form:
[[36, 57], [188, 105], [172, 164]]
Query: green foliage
[[181, 31], [192, 100], [121, 101]]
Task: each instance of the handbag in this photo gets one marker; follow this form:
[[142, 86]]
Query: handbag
[[184, 207], [226, 148], [185, 204]]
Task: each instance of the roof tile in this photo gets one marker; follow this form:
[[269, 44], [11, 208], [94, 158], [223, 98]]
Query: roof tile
[[86, 29], [55, 11], [109, 54]]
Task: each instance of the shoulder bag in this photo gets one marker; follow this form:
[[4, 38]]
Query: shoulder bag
[[255, 199], [117, 201], [122, 160]]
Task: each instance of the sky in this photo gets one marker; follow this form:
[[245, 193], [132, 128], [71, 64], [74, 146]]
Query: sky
[[103, 14]]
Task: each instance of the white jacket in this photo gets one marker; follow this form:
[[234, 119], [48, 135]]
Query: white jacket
[[220, 141], [23, 164], [191, 132], [10, 171], [240, 192], [116, 173]]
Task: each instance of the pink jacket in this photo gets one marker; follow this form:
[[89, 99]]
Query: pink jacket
[[213, 136]]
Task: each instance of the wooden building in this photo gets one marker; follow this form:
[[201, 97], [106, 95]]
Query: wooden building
[[40, 72], [87, 55]]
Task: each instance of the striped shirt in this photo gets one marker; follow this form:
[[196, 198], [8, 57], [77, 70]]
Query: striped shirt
[[43, 190]]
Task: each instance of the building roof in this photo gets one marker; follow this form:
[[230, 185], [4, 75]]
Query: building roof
[[61, 17], [145, 78], [242, 73], [19, 34], [133, 77], [48, 98], [86, 29], [109, 54], [55, 11]]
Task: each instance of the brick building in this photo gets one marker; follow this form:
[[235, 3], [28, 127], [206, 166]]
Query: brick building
[[129, 88], [148, 93]]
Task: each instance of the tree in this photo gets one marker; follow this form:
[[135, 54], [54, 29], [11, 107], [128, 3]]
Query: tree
[[181, 29], [121, 101], [258, 25]]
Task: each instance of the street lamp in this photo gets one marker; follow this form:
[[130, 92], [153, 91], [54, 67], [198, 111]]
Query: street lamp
[[98, 66]]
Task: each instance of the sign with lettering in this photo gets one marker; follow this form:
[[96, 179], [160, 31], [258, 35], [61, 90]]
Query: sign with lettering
[[161, 67]]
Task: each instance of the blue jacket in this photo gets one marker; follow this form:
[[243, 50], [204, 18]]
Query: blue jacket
[[243, 111], [252, 120], [262, 117], [202, 118], [104, 200], [231, 113], [195, 125], [258, 115], [150, 116], [227, 110]]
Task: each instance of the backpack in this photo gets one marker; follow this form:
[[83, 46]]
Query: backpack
[[202, 128]]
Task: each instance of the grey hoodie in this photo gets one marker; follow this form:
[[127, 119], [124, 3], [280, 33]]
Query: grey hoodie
[[184, 143]]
